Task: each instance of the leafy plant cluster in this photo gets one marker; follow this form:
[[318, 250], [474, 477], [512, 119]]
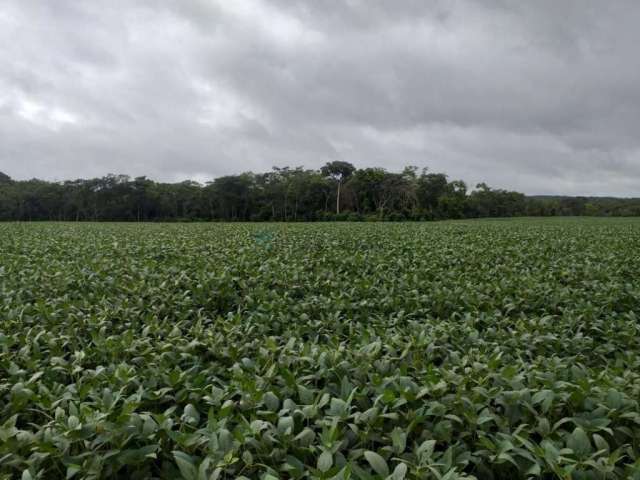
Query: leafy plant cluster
[[454, 350]]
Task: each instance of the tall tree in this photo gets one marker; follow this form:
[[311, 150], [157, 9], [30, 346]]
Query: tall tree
[[338, 171]]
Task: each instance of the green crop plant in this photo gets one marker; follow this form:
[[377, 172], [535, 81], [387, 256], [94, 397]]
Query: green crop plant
[[453, 350]]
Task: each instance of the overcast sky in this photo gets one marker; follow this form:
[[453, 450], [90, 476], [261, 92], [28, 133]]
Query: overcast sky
[[538, 96]]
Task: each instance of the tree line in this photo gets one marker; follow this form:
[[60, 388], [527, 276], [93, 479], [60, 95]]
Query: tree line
[[337, 191]]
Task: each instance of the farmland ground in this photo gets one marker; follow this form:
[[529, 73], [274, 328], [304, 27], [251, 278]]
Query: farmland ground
[[494, 349]]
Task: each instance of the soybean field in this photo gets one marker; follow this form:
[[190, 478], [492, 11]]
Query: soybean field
[[494, 349]]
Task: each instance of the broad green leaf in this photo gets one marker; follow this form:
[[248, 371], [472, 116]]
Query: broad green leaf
[[186, 465], [325, 461], [578, 441], [378, 463]]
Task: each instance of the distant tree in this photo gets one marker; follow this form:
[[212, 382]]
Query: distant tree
[[454, 201], [232, 195], [4, 178], [573, 205], [366, 187], [430, 187], [485, 201], [140, 187], [590, 209], [339, 171]]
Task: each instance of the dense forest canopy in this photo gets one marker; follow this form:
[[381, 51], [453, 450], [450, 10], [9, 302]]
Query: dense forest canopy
[[338, 191]]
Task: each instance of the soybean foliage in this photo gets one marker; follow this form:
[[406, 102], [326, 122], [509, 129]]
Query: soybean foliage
[[480, 349]]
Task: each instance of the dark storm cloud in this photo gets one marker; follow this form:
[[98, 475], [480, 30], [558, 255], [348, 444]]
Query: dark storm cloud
[[542, 97]]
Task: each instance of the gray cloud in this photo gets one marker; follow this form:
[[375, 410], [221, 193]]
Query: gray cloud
[[543, 97]]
